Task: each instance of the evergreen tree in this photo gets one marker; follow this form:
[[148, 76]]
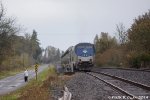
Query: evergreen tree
[[35, 48]]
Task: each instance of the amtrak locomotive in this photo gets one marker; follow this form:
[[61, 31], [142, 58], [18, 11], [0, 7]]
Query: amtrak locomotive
[[78, 57]]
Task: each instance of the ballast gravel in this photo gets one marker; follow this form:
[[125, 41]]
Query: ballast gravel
[[137, 76], [86, 87]]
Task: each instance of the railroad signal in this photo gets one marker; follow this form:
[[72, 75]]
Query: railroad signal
[[36, 70]]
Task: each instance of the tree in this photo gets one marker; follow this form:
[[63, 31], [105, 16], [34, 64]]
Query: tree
[[139, 41], [96, 43], [95, 39], [35, 48], [27, 44], [51, 54], [123, 35], [139, 33], [107, 52], [8, 30], [57, 55], [105, 42]]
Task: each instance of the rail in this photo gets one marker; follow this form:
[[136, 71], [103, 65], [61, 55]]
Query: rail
[[115, 87]]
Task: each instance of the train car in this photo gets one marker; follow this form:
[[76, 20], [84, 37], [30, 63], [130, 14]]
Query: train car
[[67, 60], [78, 57], [85, 53]]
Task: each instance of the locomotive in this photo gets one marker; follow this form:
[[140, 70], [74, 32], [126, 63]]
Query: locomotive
[[79, 57]]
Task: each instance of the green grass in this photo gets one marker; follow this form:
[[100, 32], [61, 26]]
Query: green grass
[[32, 83]]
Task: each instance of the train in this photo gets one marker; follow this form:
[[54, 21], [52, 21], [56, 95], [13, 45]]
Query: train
[[78, 58]]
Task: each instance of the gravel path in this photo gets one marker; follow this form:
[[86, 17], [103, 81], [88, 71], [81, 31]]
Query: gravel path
[[138, 76]]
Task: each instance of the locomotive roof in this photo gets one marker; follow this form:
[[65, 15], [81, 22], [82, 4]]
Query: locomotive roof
[[83, 44], [71, 47]]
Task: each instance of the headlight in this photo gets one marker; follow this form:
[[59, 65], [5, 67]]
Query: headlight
[[90, 60]]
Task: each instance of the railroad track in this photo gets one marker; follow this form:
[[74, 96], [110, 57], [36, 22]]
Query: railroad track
[[131, 89], [130, 69], [143, 86]]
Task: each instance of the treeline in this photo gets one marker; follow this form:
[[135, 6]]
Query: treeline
[[51, 55], [132, 49], [16, 51]]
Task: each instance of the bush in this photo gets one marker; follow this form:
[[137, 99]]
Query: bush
[[140, 60], [111, 57]]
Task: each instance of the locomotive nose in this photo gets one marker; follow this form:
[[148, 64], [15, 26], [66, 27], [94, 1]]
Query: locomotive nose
[[90, 60]]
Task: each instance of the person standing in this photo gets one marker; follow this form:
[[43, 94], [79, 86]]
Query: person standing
[[26, 75]]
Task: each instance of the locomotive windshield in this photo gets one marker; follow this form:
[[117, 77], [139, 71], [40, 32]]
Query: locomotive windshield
[[85, 50]]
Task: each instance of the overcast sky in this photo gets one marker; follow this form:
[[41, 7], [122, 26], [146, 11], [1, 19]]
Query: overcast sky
[[62, 23]]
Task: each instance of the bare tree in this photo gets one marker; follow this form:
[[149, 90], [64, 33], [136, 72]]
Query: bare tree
[[8, 29], [122, 33]]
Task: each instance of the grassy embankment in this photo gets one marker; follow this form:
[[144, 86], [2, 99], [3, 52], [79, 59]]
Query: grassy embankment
[[40, 89]]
